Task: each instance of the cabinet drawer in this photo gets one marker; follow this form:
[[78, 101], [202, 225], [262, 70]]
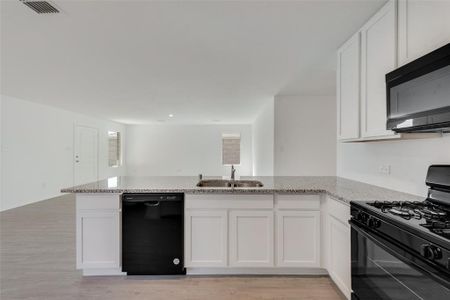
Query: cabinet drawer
[[229, 201], [339, 210], [303, 202], [98, 201]]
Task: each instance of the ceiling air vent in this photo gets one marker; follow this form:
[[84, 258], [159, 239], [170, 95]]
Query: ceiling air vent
[[41, 7]]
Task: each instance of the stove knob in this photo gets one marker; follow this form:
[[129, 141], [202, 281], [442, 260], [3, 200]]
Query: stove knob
[[359, 216], [373, 223], [431, 252]]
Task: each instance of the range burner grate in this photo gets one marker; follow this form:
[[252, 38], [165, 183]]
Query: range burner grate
[[437, 218]]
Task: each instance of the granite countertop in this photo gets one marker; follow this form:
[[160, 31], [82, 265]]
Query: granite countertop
[[339, 188]]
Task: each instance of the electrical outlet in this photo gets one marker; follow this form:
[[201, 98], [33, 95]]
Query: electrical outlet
[[385, 169]]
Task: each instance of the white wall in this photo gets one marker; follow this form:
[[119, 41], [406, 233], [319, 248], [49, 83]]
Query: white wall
[[166, 150], [409, 160], [1, 152], [263, 141], [305, 136], [37, 150]]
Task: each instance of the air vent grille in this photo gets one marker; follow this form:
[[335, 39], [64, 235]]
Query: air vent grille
[[41, 7]]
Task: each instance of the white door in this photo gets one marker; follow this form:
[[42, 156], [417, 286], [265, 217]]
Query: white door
[[423, 26], [379, 53], [298, 238], [251, 238], [348, 71], [339, 266], [206, 238], [86, 155]]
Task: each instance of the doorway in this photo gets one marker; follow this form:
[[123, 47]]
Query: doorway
[[85, 155]]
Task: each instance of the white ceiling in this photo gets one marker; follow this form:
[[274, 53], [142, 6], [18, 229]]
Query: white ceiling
[[204, 62]]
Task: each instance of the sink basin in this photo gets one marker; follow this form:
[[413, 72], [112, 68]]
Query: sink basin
[[214, 183], [248, 183], [229, 183]]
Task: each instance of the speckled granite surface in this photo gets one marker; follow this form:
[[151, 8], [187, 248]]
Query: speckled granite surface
[[339, 188]]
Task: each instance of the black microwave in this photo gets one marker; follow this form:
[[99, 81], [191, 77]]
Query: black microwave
[[418, 94]]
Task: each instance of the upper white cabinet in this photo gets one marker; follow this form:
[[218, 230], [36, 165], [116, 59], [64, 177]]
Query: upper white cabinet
[[423, 26], [348, 83], [401, 31], [379, 52]]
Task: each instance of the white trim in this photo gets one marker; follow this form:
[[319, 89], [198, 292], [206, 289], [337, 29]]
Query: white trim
[[104, 272], [256, 271]]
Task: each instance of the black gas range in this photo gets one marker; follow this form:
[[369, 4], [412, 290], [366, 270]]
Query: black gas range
[[401, 250]]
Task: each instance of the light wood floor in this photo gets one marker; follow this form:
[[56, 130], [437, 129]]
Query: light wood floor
[[37, 261]]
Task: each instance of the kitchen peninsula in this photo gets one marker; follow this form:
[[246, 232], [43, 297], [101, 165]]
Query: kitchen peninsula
[[290, 225]]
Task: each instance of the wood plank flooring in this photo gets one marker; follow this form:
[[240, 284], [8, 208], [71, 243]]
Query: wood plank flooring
[[37, 261]]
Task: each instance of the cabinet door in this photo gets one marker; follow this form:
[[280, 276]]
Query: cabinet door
[[379, 51], [348, 96], [206, 238], [98, 239], [339, 265], [298, 238], [251, 238], [423, 26]]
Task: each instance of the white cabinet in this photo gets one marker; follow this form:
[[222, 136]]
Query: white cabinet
[[339, 259], [379, 52], [348, 92], [99, 239], [251, 238], [206, 238], [338, 245], [238, 234], [298, 238], [423, 26], [98, 232], [400, 32]]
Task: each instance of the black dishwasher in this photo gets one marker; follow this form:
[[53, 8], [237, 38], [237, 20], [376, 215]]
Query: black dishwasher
[[152, 234]]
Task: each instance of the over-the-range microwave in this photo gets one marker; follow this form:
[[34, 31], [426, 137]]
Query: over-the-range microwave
[[418, 94]]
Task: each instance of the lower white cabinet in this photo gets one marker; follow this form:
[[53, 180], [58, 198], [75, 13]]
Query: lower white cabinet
[[98, 234], [98, 239], [251, 238], [206, 238], [298, 238], [339, 261]]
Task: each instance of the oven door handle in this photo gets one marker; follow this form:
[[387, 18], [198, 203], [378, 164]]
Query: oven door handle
[[404, 254]]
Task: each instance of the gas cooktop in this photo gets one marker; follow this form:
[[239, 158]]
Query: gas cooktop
[[429, 219], [434, 217]]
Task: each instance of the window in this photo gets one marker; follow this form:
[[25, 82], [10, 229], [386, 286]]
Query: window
[[231, 149], [114, 149]]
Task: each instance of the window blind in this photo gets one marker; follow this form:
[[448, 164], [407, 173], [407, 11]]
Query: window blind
[[231, 149]]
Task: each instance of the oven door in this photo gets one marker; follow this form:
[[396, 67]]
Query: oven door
[[383, 270]]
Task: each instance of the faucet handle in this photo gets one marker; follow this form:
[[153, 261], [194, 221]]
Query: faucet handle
[[200, 176]]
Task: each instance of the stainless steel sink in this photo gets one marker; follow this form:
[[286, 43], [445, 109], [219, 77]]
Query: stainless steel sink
[[214, 183], [229, 183], [248, 183]]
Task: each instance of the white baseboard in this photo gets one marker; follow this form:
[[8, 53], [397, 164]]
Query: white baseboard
[[256, 271], [103, 272]]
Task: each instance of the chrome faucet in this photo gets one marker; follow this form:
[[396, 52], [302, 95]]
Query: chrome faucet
[[233, 171]]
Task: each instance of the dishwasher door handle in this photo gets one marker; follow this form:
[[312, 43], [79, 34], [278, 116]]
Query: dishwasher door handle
[[151, 203]]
